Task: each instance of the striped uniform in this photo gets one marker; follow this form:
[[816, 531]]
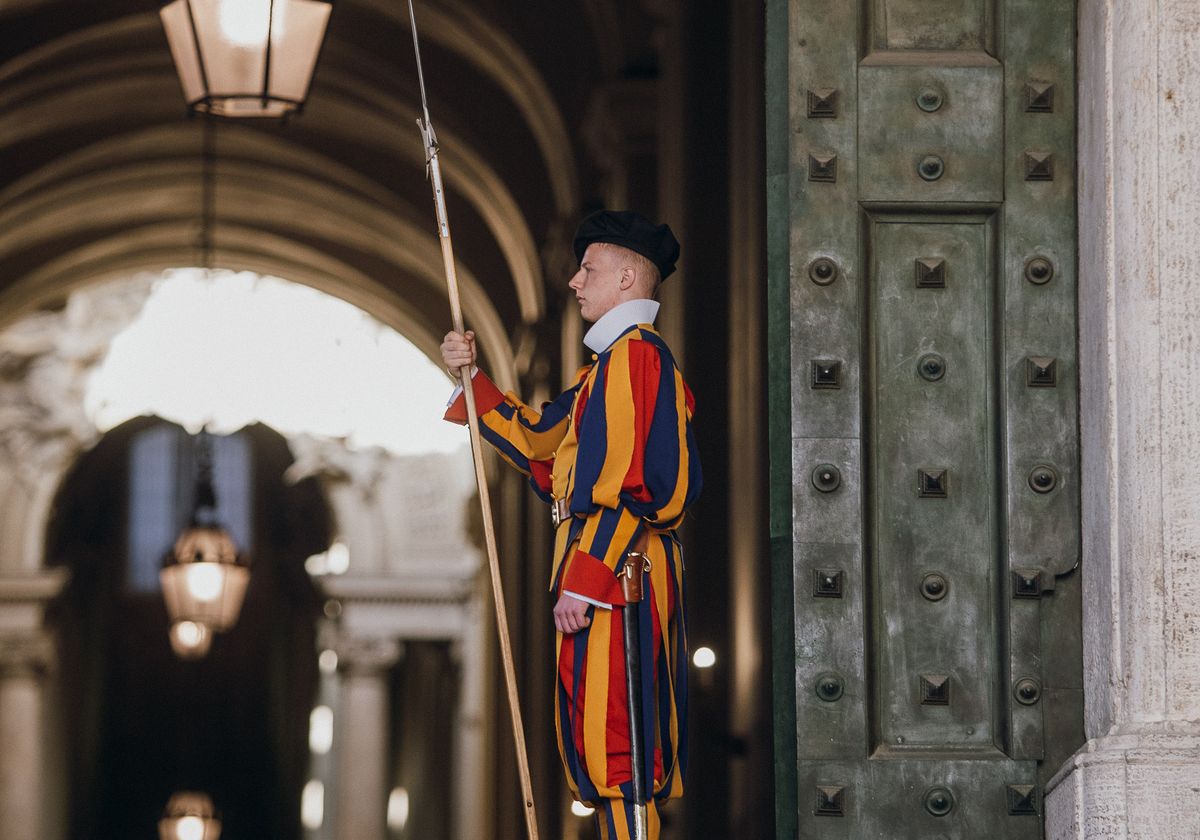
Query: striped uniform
[[619, 446]]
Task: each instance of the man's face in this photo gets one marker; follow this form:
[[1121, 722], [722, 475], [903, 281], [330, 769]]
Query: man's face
[[597, 284]]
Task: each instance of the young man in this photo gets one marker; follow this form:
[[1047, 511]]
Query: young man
[[615, 458]]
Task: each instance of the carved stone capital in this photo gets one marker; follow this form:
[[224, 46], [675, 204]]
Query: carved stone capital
[[359, 656], [26, 655]]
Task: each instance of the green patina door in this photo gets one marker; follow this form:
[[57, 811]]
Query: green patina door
[[925, 494]]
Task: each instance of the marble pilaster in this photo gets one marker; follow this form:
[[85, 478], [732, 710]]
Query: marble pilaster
[[1139, 206]]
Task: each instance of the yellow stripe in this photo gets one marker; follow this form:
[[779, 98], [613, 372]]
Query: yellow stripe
[[621, 820], [653, 825], [539, 442], [537, 446], [595, 732], [618, 410], [564, 459], [677, 559]]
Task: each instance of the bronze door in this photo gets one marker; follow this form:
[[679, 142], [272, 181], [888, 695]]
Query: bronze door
[[925, 496]]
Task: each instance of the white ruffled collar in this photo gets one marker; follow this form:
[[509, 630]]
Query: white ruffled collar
[[617, 320]]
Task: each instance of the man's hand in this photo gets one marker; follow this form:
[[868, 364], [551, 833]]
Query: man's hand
[[570, 614], [458, 351]]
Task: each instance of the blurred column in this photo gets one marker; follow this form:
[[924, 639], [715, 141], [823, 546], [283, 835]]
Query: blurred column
[[364, 737], [471, 814], [26, 661]]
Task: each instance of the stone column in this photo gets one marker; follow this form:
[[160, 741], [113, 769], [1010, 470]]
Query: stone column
[[1139, 176], [24, 661], [26, 657], [473, 747], [363, 737]]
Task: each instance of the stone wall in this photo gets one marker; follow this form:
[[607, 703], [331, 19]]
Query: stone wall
[[1139, 206]]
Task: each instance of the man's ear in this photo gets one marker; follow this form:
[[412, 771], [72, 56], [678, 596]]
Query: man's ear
[[628, 277]]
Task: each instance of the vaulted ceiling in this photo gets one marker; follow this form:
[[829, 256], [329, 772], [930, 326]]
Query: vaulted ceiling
[[101, 167]]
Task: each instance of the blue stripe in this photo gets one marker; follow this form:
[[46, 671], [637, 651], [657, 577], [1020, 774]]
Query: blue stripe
[[506, 449], [661, 468], [646, 645], [586, 789], [593, 442], [554, 412]]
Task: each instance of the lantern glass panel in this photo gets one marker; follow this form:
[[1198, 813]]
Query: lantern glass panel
[[180, 37], [206, 593], [235, 65], [295, 43]]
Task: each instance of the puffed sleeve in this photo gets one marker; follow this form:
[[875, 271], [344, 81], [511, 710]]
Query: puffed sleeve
[[523, 436]]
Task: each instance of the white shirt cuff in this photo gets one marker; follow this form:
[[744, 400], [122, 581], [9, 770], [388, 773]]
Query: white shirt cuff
[[458, 389], [591, 601]]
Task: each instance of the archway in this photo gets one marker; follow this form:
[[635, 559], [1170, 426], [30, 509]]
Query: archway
[[406, 607]]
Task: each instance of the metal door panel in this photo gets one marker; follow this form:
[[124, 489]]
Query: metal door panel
[[946, 25], [938, 799], [923, 135], [931, 627], [931, 403]]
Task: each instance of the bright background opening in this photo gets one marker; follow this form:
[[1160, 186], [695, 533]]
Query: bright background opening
[[228, 349]]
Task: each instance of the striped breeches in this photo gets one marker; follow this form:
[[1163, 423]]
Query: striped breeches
[[614, 820], [592, 720]]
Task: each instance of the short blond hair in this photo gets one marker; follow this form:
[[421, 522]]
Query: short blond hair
[[646, 270]]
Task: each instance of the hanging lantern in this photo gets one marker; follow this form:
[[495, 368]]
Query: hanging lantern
[[245, 58], [203, 578], [189, 816]]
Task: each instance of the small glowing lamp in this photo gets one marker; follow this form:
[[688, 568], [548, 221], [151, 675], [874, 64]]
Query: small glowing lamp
[[189, 816], [190, 639], [580, 809], [397, 809], [704, 657]]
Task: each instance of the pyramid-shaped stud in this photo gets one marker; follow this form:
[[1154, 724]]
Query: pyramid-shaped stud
[[1039, 166], [822, 168], [826, 374], [931, 273], [1039, 97], [1041, 371], [827, 583], [1022, 800], [932, 483], [831, 801], [935, 690], [1027, 583], [822, 103]]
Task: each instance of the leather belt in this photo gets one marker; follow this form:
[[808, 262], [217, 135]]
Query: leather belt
[[560, 511]]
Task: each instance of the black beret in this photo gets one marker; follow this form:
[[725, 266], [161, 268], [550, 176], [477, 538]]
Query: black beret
[[633, 231]]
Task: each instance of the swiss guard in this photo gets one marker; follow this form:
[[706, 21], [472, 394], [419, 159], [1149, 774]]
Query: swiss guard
[[615, 459]]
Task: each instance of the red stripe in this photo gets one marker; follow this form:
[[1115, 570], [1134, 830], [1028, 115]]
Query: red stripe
[[645, 368], [617, 724], [540, 470]]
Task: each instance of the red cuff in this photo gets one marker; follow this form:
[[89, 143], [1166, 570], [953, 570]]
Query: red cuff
[[589, 577], [487, 397]]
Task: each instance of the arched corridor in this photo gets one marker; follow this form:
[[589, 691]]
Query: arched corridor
[[544, 112]]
